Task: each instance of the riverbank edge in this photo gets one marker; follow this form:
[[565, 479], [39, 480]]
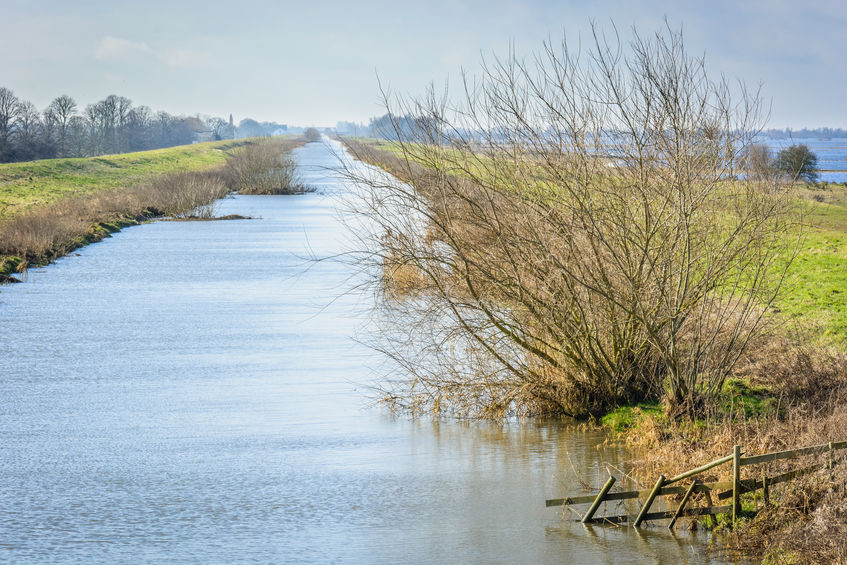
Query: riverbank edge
[[12, 264], [774, 403]]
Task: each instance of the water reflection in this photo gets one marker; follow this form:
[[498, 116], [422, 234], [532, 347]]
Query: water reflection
[[189, 392]]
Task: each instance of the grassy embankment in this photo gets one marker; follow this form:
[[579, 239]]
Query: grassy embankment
[[789, 391], [813, 301], [52, 206]]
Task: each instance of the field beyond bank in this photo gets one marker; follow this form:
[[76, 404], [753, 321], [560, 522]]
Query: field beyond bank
[[813, 299]]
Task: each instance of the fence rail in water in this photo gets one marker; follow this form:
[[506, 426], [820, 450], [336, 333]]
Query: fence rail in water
[[722, 489]]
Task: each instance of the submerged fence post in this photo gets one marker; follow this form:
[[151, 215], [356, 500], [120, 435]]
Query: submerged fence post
[[682, 504], [736, 483], [649, 501], [712, 519], [597, 501]]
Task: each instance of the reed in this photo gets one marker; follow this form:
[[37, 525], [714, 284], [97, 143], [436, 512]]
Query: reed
[[264, 168]]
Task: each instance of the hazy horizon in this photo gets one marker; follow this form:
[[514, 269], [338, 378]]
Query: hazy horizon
[[318, 64]]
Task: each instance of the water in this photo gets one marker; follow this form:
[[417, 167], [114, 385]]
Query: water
[[189, 392], [831, 153]]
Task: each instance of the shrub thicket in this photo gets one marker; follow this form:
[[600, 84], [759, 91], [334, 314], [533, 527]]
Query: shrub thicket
[[577, 239]]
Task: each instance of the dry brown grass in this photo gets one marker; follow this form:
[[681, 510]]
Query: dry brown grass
[[807, 524], [52, 230]]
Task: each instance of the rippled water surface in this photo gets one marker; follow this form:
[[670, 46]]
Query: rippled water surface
[[189, 392]]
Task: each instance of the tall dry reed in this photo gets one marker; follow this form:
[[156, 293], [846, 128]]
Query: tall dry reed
[[54, 229], [264, 167]]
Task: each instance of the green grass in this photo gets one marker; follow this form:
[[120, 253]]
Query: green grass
[[755, 401], [23, 185], [815, 295], [737, 395], [628, 417]]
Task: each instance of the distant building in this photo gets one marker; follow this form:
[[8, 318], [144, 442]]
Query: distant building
[[203, 136]]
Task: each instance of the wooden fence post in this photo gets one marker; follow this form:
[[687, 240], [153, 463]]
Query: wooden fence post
[[712, 519], [649, 501], [831, 460], [766, 489], [736, 483], [681, 508], [597, 501]]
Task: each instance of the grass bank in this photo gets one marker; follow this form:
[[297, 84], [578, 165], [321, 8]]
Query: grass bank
[[50, 207], [28, 184]]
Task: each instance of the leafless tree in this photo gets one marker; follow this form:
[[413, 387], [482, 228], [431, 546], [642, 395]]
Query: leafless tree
[[76, 141], [758, 161], [218, 127], [111, 125], [60, 111], [29, 129], [570, 233], [8, 114]]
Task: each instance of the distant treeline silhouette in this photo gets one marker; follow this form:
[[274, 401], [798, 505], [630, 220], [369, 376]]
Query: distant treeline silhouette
[[806, 133], [112, 125], [388, 126]]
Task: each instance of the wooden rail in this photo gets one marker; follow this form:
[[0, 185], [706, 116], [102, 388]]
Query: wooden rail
[[729, 489]]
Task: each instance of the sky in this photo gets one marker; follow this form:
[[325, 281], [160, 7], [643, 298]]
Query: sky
[[316, 62]]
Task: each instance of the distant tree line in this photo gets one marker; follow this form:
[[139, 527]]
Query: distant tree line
[[806, 133], [112, 125], [251, 128], [388, 126]]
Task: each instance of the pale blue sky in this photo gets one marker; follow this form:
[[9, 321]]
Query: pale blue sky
[[313, 63]]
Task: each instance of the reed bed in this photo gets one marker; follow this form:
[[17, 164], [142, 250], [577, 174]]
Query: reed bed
[[264, 168]]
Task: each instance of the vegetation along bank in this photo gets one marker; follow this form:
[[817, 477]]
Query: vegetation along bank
[[53, 206]]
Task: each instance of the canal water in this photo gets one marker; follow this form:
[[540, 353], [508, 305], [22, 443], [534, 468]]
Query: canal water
[[191, 392]]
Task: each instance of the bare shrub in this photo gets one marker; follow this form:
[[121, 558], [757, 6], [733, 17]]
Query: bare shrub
[[758, 161], [583, 237]]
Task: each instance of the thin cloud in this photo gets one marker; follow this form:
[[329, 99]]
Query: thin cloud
[[113, 48], [184, 59], [118, 49]]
